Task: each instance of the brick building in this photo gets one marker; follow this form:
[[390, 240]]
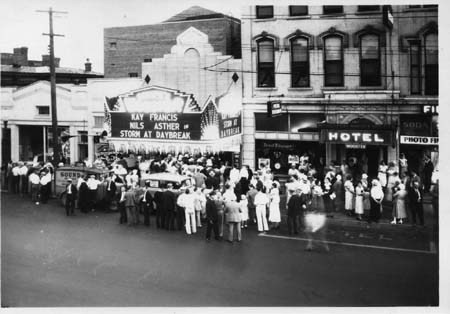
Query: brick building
[[346, 84], [126, 48], [18, 70]]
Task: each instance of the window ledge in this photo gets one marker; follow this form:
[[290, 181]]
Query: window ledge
[[269, 19], [368, 12], [332, 88], [266, 89], [366, 88], [323, 16], [416, 10], [300, 89], [300, 17]]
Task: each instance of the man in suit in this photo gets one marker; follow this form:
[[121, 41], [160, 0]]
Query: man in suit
[[147, 202], [169, 203], [123, 212], [416, 202], [131, 206], [71, 196], [212, 217], [295, 210], [233, 219], [160, 211], [110, 193]]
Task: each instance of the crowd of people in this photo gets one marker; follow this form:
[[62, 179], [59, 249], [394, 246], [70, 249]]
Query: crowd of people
[[219, 194]]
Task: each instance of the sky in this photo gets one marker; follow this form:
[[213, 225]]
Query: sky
[[82, 26]]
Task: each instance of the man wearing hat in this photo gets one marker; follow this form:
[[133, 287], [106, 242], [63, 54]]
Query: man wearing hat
[[71, 196], [110, 192]]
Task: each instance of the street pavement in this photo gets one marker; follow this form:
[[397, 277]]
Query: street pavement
[[51, 260]]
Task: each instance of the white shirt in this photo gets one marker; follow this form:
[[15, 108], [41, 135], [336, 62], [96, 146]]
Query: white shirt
[[234, 175], [92, 184], [23, 170], [187, 201], [46, 179], [34, 178], [69, 189], [16, 171]]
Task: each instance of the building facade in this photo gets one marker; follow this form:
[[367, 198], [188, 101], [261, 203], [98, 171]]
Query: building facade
[[18, 70], [343, 82], [126, 48], [179, 106]]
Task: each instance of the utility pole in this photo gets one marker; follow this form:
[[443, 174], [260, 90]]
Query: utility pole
[[56, 147]]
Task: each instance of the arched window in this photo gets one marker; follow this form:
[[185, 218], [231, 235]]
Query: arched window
[[370, 66], [431, 64], [191, 70], [299, 62], [333, 61], [266, 63]]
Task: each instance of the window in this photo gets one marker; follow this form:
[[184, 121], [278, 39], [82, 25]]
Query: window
[[298, 10], [82, 145], [98, 121], [133, 74], [43, 110], [113, 45], [266, 63], [423, 6], [368, 8], [333, 9], [148, 60], [299, 62], [264, 11], [334, 66], [370, 60], [431, 65], [415, 73]]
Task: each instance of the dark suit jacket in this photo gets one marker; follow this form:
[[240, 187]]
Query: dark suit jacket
[[295, 205], [232, 211], [74, 191], [168, 200], [148, 199], [130, 198], [113, 189], [211, 210], [413, 197]]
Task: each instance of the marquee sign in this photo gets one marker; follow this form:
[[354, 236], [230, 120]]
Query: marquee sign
[[362, 137], [164, 114]]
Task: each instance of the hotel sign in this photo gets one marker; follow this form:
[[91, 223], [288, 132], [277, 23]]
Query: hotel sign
[[419, 140], [357, 137]]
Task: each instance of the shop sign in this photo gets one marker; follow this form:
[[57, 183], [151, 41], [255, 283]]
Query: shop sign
[[433, 109], [355, 146], [293, 159], [419, 140], [273, 108], [370, 137], [263, 161]]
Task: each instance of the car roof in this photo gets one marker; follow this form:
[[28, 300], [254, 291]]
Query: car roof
[[88, 170], [166, 176]]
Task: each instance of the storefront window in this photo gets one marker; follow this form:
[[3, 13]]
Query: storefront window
[[305, 122], [263, 123]]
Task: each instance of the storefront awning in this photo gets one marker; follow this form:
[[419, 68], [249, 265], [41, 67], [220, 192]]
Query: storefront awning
[[228, 144]]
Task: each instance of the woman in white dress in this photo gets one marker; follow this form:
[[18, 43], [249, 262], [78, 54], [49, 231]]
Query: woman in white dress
[[274, 207], [382, 176], [349, 195], [359, 200]]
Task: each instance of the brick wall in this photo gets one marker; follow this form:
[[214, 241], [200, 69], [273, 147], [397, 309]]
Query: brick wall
[[153, 41]]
